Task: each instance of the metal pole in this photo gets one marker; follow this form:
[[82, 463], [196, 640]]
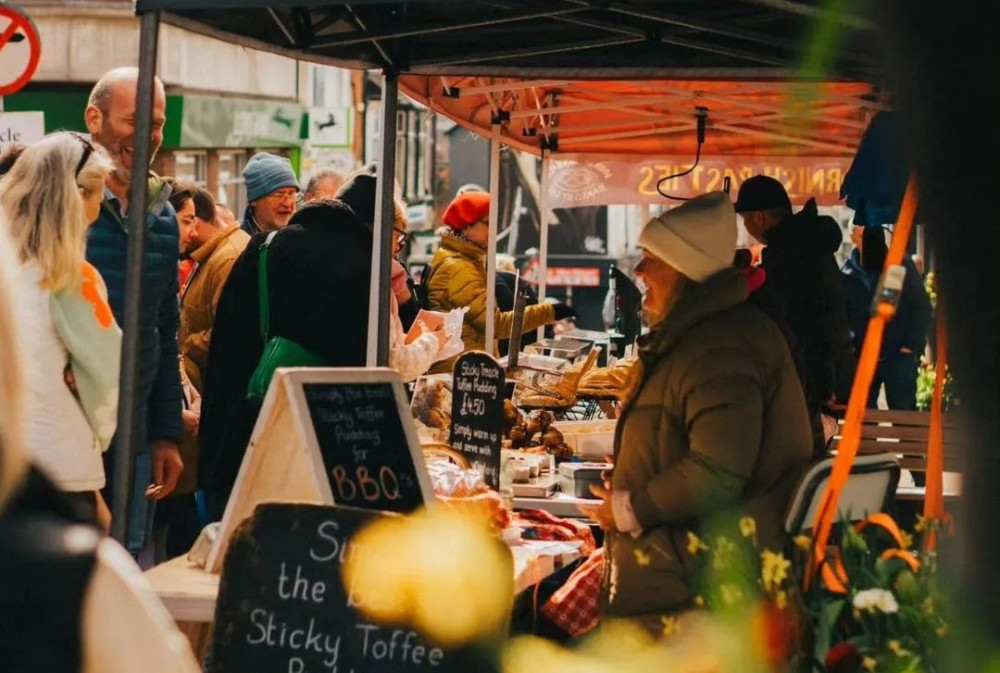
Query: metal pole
[[491, 248], [378, 304], [130, 437], [543, 233]]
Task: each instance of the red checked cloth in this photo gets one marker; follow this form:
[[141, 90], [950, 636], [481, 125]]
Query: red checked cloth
[[538, 524], [575, 607]]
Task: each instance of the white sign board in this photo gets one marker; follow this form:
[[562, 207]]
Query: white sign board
[[330, 127], [21, 127]]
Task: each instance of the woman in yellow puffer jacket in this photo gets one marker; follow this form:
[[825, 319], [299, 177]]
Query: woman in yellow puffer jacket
[[457, 278]]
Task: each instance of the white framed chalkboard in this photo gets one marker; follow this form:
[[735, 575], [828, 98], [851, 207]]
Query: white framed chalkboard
[[330, 436]]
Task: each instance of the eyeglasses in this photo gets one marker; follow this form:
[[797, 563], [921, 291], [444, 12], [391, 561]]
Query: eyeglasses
[[290, 195], [401, 234], [88, 149]]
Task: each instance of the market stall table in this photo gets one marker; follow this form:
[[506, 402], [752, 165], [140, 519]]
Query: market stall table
[[189, 592]]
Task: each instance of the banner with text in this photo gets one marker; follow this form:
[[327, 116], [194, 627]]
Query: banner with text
[[577, 180]]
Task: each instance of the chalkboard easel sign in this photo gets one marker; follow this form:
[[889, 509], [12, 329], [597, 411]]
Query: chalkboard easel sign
[[283, 606], [477, 394], [330, 436]]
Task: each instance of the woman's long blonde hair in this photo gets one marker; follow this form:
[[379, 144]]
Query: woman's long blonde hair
[[13, 461], [40, 204]]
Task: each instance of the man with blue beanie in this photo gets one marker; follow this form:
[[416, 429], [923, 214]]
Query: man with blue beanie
[[272, 191]]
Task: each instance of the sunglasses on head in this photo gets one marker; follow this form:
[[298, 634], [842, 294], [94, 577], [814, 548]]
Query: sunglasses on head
[[88, 149]]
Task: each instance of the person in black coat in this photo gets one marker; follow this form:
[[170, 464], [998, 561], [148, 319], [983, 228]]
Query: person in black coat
[[315, 266], [804, 277], [904, 337]]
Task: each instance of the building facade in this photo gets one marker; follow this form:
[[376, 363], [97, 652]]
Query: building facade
[[224, 102]]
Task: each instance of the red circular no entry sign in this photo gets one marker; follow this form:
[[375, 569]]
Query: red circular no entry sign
[[15, 22]]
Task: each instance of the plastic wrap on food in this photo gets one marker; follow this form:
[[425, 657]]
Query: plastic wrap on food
[[448, 479]]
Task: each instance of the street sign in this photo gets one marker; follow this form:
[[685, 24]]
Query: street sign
[[23, 128], [20, 49]]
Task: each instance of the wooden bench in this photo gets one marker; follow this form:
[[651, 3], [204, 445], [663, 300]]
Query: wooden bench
[[905, 434]]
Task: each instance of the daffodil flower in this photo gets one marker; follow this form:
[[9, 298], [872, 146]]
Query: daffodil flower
[[695, 545], [748, 526]]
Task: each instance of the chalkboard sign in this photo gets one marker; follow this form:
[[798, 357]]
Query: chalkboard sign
[[329, 436], [283, 606], [366, 455], [477, 394]]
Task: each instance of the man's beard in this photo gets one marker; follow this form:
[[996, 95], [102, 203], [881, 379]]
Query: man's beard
[[121, 172]]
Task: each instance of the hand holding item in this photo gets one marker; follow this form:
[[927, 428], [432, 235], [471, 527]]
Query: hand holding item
[[190, 418], [564, 311], [442, 336], [602, 514], [167, 468]]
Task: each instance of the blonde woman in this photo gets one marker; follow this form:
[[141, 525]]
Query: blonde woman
[[90, 607], [68, 333]]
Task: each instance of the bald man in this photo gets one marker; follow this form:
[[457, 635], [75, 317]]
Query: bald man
[[110, 118]]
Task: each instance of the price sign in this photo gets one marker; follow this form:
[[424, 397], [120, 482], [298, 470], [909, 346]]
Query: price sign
[[477, 413]]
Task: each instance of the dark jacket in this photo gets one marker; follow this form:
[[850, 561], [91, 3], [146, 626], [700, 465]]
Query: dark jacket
[[45, 538], [716, 425], [908, 329], [159, 373], [804, 277], [504, 292], [319, 270]]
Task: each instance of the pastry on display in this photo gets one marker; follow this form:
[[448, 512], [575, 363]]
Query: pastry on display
[[561, 395], [606, 382], [431, 408], [537, 435]]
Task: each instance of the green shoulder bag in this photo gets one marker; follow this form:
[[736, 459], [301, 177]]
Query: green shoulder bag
[[278, 351]]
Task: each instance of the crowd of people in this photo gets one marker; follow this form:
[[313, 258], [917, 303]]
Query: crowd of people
[[743, 369]]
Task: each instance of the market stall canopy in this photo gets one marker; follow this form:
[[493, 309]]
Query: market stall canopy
[[731, 39], [656, 117]]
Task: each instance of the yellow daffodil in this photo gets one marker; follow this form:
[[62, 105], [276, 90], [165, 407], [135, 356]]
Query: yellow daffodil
[[670, 626], [803, 542], [774, 569], [921, 524], [695, 545], [868, 664], [642, 558], [731, 594], [895, 647], [723, 552], [699, 601], [781, 600], [748, 526], [907, 539]]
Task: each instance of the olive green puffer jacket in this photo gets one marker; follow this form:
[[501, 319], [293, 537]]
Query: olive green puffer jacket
[[717, 424]]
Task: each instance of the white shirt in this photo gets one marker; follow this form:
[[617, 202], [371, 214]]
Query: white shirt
[[56, 431]]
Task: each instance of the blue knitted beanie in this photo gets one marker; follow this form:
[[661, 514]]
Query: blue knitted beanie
[[266, 173]]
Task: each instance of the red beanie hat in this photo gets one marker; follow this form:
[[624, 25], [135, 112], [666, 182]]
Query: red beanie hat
[[467, 208]]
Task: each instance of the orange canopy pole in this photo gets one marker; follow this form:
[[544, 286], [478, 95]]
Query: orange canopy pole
[[850, 438], [934, 498]]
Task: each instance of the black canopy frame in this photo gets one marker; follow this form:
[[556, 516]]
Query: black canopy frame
[[581, 39]]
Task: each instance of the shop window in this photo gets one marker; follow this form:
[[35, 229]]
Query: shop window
[[231, 191], [191, 167]]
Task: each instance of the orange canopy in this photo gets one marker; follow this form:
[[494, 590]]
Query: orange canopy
[[655, 117]]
